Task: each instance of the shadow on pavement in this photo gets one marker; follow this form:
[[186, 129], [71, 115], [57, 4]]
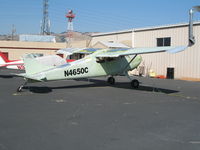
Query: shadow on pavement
[[7, 76], [98, 83]]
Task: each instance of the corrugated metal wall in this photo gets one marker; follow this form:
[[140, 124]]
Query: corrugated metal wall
[[186, 64]]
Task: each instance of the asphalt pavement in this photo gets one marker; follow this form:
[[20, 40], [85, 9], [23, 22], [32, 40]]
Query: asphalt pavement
[[92, 115]]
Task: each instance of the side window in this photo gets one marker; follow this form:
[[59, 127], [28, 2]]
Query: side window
[[164, 41]]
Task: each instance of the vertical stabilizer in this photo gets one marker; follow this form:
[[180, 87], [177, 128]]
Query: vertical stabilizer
[[39, 64], [3, 59]]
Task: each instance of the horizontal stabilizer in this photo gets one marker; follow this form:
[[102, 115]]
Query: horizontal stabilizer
[[24, 75]]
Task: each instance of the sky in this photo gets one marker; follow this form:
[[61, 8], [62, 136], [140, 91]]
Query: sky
[[93, 15]]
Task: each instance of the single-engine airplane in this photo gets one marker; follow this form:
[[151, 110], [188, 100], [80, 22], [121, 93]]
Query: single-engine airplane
[[10, 64], [19, 64], [105, 62], [14, 64]]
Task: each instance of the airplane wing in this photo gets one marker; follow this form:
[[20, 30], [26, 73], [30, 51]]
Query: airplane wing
[[134, 51], [70, 51], [88, 50]]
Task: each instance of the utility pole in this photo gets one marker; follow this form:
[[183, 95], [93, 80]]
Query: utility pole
[[13, 32], [45, 27]]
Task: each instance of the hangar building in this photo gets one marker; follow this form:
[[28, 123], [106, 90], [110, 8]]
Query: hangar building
[[185, 65], [16, 49]]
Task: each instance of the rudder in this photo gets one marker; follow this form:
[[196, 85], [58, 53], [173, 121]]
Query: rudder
[[3, 58]]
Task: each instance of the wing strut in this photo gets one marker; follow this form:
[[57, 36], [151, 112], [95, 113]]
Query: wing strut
[[129, 63]]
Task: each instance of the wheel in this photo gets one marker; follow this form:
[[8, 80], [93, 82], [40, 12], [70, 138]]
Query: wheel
[[135, 83], [19, 89], [111, 80]]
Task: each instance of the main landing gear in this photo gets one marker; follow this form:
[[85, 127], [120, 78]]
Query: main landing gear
[[111, 80], [134, 83]]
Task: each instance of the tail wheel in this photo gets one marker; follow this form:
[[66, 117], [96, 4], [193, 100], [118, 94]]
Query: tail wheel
[[135, 83], [111, 80], [19, 89]]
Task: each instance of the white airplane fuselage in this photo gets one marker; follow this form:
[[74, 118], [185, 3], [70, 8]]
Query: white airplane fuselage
[[89, 67]]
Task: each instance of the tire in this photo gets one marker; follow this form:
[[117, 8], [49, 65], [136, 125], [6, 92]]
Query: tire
[[135, 84], [19, 89], [111, 80]]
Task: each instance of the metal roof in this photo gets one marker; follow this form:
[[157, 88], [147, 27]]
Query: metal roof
[[143, 29], [114, 32], [164, 26], [37, 38]]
